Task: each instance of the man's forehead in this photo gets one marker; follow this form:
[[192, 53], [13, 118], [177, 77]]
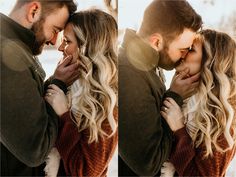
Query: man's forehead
[[58, 18], [185, 40]]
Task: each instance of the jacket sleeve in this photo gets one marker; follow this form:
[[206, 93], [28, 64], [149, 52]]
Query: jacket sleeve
[[144, 140], [79, 157], [28, 125], [194, 163], [57, 82]]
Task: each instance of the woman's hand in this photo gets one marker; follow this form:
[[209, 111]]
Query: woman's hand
[[172, 114], [57, 99]]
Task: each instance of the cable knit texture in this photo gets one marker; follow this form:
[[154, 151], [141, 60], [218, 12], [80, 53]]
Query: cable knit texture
[[189, 161], [79, 157]]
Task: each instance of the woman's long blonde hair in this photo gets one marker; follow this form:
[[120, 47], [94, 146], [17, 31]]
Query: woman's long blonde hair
[[212, 113], [94, 95]]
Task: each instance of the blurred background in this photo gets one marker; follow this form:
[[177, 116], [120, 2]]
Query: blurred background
[[217, 14]]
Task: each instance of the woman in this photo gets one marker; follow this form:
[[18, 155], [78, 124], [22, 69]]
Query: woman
[[88, 114], [205, 134]]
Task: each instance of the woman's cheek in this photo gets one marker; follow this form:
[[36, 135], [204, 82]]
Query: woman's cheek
[[75, 56]]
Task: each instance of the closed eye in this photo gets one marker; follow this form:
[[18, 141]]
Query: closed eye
[[179, 62], [192, 49]]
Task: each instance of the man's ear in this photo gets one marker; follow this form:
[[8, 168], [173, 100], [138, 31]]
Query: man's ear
[[33, 12], [156, 41]]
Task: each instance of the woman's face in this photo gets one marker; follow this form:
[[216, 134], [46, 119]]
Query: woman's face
[[69, 45], [192, 60]]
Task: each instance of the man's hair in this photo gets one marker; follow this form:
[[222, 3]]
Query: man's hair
[[169, 18], [48, 6]]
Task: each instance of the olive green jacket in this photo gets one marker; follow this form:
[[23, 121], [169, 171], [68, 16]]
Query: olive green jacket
[[28, 124], [145, 139]]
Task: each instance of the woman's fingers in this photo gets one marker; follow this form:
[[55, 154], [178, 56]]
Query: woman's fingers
[[171, 101], [48, 98], [164, 114], [167, 103], [54, 87], [52, 91], [164, 109]]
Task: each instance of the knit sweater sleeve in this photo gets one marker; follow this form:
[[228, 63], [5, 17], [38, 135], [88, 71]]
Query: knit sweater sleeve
[[79, 157], [190, 161]]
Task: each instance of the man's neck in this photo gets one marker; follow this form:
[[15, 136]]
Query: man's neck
[[19, 18]]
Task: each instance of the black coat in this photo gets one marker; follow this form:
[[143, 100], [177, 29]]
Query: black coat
[[145, 139], [28, 124]]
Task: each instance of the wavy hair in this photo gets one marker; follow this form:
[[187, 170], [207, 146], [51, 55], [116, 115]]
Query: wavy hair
[[94, 95], [211, 109]]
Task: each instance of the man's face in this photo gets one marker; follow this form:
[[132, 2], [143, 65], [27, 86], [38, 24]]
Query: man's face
[[48, 27], [193, 59], [176, 50]]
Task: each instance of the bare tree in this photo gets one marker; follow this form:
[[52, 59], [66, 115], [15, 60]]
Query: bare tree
[[112, 6], [228, 24], [212, 2]]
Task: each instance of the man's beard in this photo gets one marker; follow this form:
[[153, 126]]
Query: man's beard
[[165, 61], [40, 38]]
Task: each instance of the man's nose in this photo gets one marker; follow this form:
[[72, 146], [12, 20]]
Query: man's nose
[[184, 53], [54, 39]]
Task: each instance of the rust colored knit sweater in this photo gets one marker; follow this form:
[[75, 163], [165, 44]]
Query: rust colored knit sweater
[[80, 158], [189, 161]]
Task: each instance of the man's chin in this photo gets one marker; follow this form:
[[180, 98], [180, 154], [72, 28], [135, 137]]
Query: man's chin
[[38, 51], [168, 68]]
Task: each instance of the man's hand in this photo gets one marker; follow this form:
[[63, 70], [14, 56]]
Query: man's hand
[[183, 85], [67, 71]]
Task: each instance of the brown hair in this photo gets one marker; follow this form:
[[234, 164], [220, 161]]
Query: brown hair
[[169, 18], [49, 5]]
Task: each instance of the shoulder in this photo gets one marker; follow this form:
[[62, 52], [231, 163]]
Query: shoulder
[[15, 55]]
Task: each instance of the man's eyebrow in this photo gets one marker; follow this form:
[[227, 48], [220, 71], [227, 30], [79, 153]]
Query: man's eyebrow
[[59, 28], [184, 48], [187, 48]]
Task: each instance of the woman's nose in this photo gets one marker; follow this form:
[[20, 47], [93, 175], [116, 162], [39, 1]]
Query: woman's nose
[[61, 47]]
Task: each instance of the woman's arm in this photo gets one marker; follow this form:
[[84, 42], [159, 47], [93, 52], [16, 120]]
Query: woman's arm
[[79, 157], [190, 161]]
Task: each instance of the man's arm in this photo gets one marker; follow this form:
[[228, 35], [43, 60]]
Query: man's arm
[[65, 74], [183, 84], [144, 143], [28, 125]]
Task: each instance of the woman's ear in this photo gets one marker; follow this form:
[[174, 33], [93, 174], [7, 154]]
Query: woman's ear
[[156, 41], [33, 12]]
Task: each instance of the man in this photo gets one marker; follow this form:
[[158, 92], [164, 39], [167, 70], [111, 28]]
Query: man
[[164, 38], [28, 124]]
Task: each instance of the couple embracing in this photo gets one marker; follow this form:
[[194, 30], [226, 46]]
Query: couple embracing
[[189, 129]]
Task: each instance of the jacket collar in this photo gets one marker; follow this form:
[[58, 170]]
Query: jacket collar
[[15, 31], [139, 53]]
